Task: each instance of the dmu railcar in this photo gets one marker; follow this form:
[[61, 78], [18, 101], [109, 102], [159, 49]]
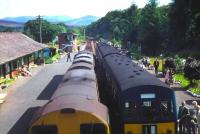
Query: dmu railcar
[[74, 108], [145, 104]]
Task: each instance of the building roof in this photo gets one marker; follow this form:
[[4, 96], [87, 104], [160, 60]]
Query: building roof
[[14, 45]]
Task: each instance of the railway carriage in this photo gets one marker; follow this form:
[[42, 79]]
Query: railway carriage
[[74, 107], [145, 104]]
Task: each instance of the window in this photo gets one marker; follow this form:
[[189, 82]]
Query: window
[[15, 64], [166, 109], [147, 103], [97, 128], [7, 68], [148, 96], [31, 57], [44, 129]]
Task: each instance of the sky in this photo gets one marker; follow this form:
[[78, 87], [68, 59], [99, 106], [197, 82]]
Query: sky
[[72, 8]]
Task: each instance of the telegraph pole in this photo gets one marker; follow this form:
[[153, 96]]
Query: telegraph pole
[[84, 33], [40, 27]]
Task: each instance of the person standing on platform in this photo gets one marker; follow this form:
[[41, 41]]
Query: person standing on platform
[[156, 65], [197, 108], [182, 112], [68, 56]]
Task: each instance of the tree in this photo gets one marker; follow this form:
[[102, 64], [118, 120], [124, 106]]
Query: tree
[[49, 31], [149, 34], [192, 69], [185, 26]]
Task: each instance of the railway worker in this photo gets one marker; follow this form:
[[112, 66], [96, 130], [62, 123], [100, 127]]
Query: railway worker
[[197, 108], [68, 56], [156, 65], [183, 111]]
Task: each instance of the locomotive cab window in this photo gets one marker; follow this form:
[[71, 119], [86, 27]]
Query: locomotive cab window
[[44, 129], [96, 128], [166, 109], [127, 105]]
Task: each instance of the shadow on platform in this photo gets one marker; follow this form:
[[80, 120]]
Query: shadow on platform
[[47, 93], [22, 125], [178, 89]]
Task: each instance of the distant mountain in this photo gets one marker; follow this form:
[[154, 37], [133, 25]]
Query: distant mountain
[[83, 21], [19, 21], [24, 19], [6, 23]]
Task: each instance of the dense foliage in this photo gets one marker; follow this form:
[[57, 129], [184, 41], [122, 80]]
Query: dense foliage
[[10, 29], [185, 26], [192, 69], [49, 31], [166, 29]]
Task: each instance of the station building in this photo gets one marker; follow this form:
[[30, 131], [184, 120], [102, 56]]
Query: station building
[[67, 41], [16, 50]]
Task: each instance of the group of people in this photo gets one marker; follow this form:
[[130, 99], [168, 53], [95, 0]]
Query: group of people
[[25, 71], [189, 120], [146, 61], [168, 75]]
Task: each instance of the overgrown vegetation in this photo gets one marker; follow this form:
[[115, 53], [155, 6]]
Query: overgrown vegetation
[[170, 29], [173, 29], [185, 83]]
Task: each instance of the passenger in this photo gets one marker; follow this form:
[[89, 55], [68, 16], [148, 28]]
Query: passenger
[[189, 122], [156, 65], [68, 56], [148, 62], [167, 75], [193, 121], [25, 71], [197, 108], [183, 110], [171, 73]]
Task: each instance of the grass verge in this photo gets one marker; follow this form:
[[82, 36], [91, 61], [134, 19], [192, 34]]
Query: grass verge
[[185, 83], [53, 59]]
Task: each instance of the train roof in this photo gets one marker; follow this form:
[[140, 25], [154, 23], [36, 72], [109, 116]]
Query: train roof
[[78, 89], [84, 52], [87, 60], [84, 56], [80, 73], [81, 65], [78, 82], [106, 49], [128, 74], [73, 102]]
